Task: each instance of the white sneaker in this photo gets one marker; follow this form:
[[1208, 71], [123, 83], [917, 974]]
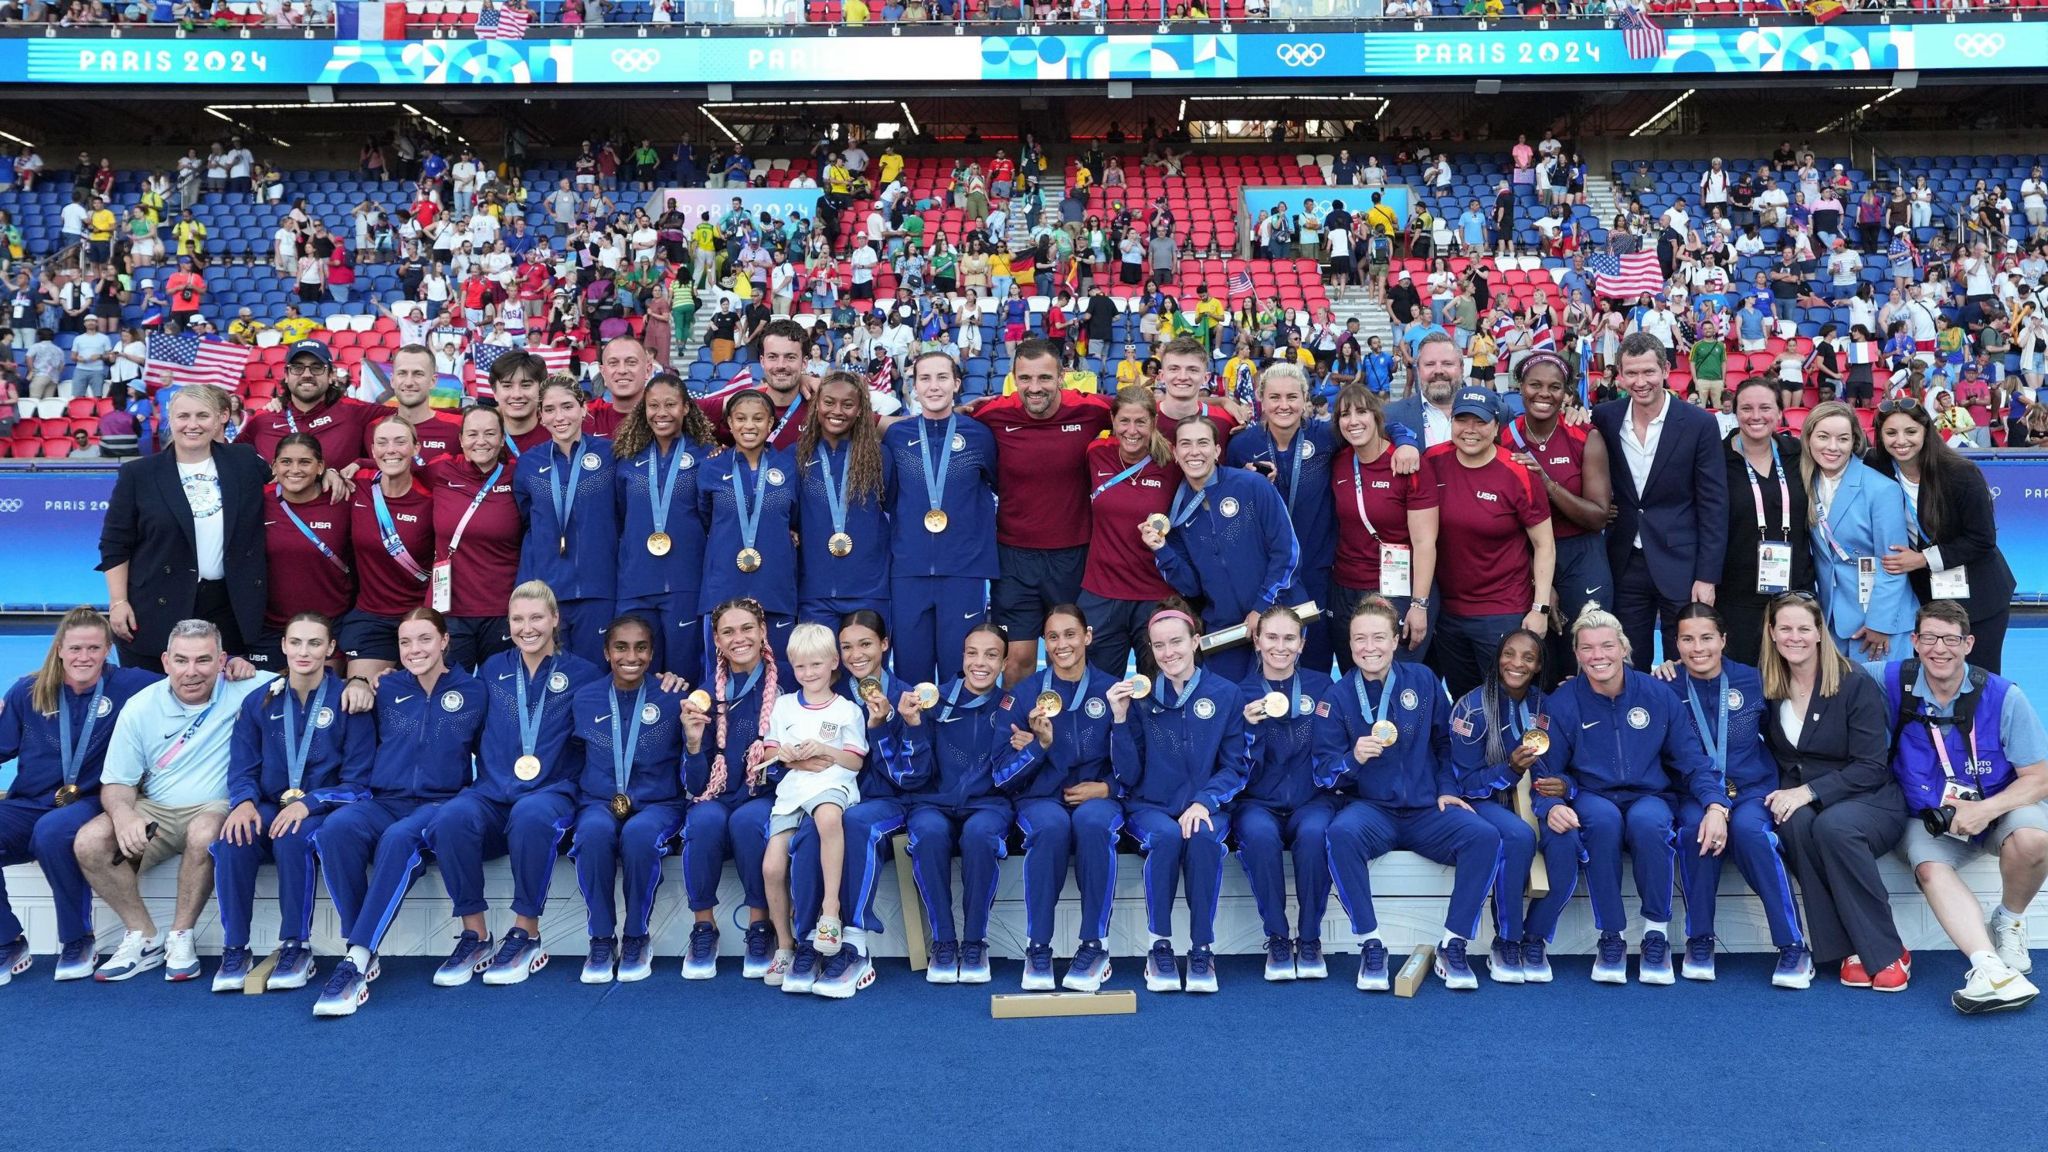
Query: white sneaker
[[2009, 937], [137, 954], [181, 957], [1993, 990]]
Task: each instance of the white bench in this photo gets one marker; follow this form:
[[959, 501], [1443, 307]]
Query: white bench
[[1409, 895]]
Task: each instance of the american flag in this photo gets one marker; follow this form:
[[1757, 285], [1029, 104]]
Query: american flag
[[482, 356], [1240, 284], [1625, 276], [740, 382], [1643, 38], [884, 379], [190, 360], [502, 24]]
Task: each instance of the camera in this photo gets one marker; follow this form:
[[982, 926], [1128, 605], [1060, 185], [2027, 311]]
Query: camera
[[1937, 821]]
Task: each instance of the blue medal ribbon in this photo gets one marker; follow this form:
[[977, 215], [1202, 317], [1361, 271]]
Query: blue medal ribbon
[[750, 520], [1365, 704], [935, 484], [835, 488], [623, 747], [661, 495], [1119, 478], [1715, 739], [74, 755], [953, 700], [1185, 504], [1187, 694], [529, 721], [298, 748], [564, 494]]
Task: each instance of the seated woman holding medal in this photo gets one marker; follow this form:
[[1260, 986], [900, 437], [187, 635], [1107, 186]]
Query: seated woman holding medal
[[1181, 756], [1281, 806], [1498, 731], [747, 499], [524, 797], [1953, 553], [846, 479], [1726, 702], [297, 754], [629, 796], [477, 533], [1386, 532], [1383, 744], [391, 534], [660, 449], [429, 720], [1770, 551], [1058, 775], [1857, 518], [55, 724], [566, 498]]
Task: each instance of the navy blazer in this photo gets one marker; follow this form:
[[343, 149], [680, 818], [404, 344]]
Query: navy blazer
[[149, 528], [1844, 749], [1682, 512]]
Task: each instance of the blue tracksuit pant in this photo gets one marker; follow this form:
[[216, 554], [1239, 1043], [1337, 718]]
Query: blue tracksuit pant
[[234, 878], [929, 617], [1167, 854], [715, 831], [1753, 841], [370, 852], [1364, 831], [1054, 836], [1263, 831], [1643, 825], [32, 830], [1511, 877], [978, 833], [473, 828], [607, 848]]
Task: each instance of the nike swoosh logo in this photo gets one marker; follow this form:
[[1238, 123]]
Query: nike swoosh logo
[[1592, 591], [506, 676], [1594, 724], [1011, 428], [401, 699], [277, 716]]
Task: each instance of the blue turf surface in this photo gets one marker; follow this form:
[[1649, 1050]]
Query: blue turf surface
[[730, 1064]]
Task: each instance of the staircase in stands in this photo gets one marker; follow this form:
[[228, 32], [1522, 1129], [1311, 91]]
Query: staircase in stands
[[1373, 319], [1603, 198]]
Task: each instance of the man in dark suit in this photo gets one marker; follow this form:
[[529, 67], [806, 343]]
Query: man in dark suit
[[183, 536], [1668, 537]]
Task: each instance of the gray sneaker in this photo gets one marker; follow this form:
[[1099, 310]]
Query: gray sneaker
[[2009, 938]]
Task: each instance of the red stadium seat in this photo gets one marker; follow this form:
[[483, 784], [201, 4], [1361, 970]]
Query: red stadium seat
[[56, 448], [26, 449]]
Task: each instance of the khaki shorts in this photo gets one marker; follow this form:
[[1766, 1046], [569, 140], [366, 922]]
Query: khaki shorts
[[1920, 847], [171, 825]]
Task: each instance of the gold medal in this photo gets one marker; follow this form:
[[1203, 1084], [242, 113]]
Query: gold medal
[[701, 701], [527, 767], [927, 695], [622, 805], [1049, 703], [66, 794], [291, 796], [658, 543], [1385, 732], [1277, 704], [1536, 740], [749, 560], [840, 544], [868, 687], [1141, 686], [1159, 523], [935, 520]]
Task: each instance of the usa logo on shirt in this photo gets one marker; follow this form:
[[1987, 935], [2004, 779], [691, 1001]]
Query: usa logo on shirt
[[686, 461], [775, 477], [325, 719], [650, 714], [828, 732], [558, 682], [1204, 709], [1322, 707], [959, 442], [1461, 726], [1409, 699], [1094, 708], [591, 462], [1734, 700], [106, 708], [1007, 701], [1228, 507], [1638, 718], [451, 701]]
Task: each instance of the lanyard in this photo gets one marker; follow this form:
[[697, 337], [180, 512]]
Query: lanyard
[[776, 432], [178, 745], [661, 482], [835, 489], [935, 484], [564, 494], [1119, 478], [1185, 503], [529, 721], [953, 700], [1521, 442], [624, 748], [1365, 708], [74, 755], [1185, 696], [1940, 742], [753, 678], [1827, 534], [750, 520], [298, 748], [1756, 494], [337, 561], [1358, 497], [387, 530], [1520, 720], [1294, 465], [1715, 739], [462, 525]]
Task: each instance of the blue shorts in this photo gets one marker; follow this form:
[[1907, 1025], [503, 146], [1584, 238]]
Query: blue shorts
[[367, 636], [1033, 581]]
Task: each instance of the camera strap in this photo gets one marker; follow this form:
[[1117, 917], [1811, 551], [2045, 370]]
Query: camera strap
[[1963, 719]]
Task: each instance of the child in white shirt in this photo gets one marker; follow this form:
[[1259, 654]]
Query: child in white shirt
[[821, 737]]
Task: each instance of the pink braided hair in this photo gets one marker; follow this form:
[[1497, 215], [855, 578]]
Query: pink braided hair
[[757, 775]]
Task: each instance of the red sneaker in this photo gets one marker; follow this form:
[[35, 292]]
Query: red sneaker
[[1853, 975], [1895, 974]]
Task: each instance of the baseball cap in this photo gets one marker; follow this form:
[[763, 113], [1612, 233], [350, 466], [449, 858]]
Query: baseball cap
[[1405, 275], [148, 283], [1475, 402], [313, 348]]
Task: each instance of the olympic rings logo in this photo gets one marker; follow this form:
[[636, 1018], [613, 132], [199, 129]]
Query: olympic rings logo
[[10, 505], [1300, 55], [1980, 45], [635, 59]]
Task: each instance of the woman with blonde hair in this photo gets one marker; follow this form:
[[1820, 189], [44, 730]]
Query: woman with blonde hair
[[1857, 517], [1132, 478], [1838, 807], [55, 723]]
